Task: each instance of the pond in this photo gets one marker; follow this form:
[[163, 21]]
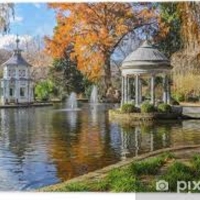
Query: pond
[[43, 146]]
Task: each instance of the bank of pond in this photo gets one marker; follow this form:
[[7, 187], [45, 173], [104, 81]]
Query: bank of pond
[[129, 114], [166, 172]]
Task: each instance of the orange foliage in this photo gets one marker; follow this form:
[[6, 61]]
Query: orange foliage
[[94, 30]]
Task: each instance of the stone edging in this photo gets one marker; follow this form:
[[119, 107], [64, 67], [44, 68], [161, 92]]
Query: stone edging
[[134, 118], [102, 172], [26, 105]]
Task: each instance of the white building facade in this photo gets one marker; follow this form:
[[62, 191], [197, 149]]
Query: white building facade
[[16, 84]]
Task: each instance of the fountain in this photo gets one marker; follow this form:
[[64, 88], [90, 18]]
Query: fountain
[[94, 95], [94, 104], [71, 105], [72, 101]]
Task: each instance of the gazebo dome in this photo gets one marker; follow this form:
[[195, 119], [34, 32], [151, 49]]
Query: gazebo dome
[[146, 58]]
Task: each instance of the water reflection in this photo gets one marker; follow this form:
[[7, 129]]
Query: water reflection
[[22, 156], [144, 138], [85, 150], [94, 114], [72, 119], [42, 146]]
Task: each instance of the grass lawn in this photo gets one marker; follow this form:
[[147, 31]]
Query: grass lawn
[[141, 176]]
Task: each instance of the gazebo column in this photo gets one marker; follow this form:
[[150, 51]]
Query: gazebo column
[[31, 92], [7, 91], [140, 91], [125, 89], [165, 89], [137, 90], [128, 95], [168, 92], [122, 92], [16, 91], [4, 91], [153, 89]]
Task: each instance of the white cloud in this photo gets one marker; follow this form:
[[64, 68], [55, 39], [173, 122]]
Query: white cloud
[[9, 41], [45, 29], [17, 19], [37, 5]]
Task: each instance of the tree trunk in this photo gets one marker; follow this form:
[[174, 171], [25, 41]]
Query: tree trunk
[[107, 74]]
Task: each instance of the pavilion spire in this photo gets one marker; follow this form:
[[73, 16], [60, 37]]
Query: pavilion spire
[[17, 42]]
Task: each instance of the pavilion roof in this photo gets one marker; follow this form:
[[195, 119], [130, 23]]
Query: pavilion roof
[[16, 59], [146, 54]]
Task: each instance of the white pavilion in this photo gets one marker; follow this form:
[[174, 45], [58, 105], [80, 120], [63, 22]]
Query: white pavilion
[[16, 84], [146, 61]]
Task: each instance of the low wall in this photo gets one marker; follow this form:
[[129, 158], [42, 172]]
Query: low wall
[[26, 105], [131, 118], [192, 112]]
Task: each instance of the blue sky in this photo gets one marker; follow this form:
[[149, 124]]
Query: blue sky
[[33, 19]]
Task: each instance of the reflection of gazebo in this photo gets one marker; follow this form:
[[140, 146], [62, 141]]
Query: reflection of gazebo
[[145, 61]]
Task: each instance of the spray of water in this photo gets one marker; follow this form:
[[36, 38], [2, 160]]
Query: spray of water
[[94, 95], [72, 101]]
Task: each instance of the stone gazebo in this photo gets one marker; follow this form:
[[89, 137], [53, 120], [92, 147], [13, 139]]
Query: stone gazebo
[[145, 61], [16, 84]]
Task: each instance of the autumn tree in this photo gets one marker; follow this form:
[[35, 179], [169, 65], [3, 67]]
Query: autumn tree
[[95, 30], [187, 59]]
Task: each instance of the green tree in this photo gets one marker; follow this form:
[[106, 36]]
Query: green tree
[[170, 16], [67, 77], [43, 90]]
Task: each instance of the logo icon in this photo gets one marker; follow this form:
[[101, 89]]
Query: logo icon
[[162, 185]]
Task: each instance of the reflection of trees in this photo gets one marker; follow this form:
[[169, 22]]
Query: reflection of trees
[[94, 114], [66, 122], [155, 136], [186, 133], [78, 153], [110, 135], [72, 120]]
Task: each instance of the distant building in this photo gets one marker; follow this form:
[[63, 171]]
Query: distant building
[[16, 84]]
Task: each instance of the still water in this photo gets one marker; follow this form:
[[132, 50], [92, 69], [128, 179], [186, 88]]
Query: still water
[[43, 146]]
